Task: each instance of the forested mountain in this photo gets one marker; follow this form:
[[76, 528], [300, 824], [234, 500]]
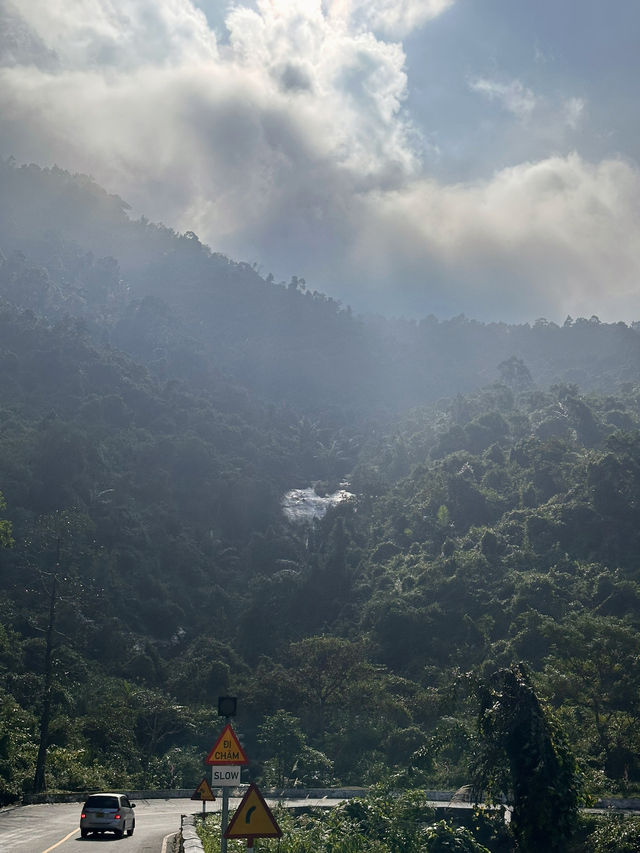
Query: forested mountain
[[157, 400], [189, 313]]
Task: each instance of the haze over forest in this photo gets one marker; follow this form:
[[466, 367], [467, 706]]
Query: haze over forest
[[384, 251]]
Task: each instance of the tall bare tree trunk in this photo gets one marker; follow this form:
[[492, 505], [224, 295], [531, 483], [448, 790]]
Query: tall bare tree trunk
[[39, 783]]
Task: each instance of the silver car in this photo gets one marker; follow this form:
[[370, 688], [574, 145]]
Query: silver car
[[107, 813]]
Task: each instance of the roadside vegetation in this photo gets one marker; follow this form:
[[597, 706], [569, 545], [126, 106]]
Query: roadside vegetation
[[381, 822], [401, 822]]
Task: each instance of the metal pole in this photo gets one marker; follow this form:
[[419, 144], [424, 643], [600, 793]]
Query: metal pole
[[225, 819], [225, 810]]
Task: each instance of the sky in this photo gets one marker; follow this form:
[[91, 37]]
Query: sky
[[406, 157]]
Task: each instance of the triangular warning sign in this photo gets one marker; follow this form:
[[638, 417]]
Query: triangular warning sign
[[253, 818], [227, 749], [203, 792]]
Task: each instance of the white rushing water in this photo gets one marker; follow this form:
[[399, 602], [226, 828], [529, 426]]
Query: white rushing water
[[307, 505]]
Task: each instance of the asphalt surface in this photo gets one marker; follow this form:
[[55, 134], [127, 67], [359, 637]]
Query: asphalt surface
[[55, 827]]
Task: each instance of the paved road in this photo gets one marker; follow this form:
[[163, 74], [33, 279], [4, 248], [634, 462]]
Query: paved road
[[55, 827]]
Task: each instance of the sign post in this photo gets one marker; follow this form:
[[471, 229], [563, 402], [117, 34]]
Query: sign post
[[226, 752], [224, 820]]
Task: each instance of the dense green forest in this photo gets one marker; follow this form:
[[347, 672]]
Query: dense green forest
[[157, 400]]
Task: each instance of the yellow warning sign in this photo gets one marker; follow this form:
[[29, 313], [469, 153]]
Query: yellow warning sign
[[227, 749], [203, 792], [253, 818]]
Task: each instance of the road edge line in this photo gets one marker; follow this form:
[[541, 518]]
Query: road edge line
[[165, 841]]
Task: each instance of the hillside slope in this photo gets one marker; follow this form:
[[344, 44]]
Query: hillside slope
[[157, 400]]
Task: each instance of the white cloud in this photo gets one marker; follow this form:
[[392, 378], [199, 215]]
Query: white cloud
[[549, 238], [288, 143], [120, 34], [574, 110], [349, 86], [544, 121], [395, 18], [513, 96], [547, 112], [218, 136]]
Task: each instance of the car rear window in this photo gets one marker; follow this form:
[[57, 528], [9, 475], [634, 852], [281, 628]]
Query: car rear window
[[101, 802]]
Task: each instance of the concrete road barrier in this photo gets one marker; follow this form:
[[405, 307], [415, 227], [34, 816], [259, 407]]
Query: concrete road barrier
[[190, 840]]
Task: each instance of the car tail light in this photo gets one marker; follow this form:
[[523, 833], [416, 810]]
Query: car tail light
[[82, 816], [117, 816]]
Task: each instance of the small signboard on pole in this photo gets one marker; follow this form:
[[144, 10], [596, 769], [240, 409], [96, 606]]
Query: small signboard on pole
[[225, 776], [227, 749], [203, 792], [253, 819]]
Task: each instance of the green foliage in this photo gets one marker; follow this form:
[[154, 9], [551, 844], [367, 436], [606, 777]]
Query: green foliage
[[381, 822], [6, 539], [594, 674], [615, 835], [17, 747], [378, 823], [441, 837], [317, 831], [523, 754], [281, 736], [67, 770], [395, 819], [179, 767]]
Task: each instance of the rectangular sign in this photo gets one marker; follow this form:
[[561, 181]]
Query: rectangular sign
[[223, 776]]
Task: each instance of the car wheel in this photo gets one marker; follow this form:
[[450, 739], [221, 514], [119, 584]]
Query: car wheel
[[84, 833], [133, 826], [119, 833]]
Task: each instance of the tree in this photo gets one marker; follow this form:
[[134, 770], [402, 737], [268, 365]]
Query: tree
[[292, 761], [53, 529], [6, 540], [45, 717], [524, 753], [327, 671], [280, 734], [515, 373], [595, 675]]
